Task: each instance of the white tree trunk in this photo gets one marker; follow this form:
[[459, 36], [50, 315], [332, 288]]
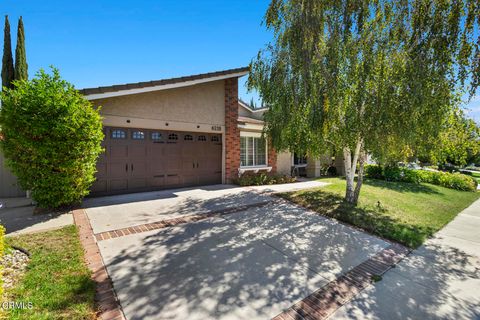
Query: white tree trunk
[[352, 191]]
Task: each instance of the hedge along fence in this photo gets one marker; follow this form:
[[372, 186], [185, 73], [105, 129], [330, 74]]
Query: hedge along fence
[[456, 181]]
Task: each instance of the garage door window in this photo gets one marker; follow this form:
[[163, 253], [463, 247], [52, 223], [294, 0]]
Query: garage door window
[[253, 152], [172, 136], [138, 135], [215, 139], [156, 136], [118, 134], [202, 138], [188, 137]]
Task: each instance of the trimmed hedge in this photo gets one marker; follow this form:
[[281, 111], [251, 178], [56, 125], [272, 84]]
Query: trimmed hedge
[[51, 138], [262, 178], [455, 181]]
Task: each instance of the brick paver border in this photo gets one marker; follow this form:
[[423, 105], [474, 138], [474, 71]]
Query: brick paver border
[[174, 221], [105, 296], [325, 301]]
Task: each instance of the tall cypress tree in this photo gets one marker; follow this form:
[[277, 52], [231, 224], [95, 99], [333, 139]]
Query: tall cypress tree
[[21, 66], [7, 60]]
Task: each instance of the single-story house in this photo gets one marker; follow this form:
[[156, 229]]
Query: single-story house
[[179, 132]]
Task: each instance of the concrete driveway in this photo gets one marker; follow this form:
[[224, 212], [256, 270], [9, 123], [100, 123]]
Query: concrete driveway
[[250, 264]]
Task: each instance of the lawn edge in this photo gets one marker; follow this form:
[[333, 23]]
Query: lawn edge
[[105, 295]]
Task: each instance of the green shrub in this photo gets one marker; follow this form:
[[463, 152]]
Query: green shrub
[[456, 181], [374, 172], [393, 173], [262, 178], [2, 251], [51, 138]]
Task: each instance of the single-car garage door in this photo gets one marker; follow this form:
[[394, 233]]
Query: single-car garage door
[[141, 159]]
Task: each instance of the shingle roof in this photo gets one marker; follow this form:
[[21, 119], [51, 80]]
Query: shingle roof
[[146, 84], [249, 120]]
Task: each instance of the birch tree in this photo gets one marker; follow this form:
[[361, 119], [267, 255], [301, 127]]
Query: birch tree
[[355, 75]]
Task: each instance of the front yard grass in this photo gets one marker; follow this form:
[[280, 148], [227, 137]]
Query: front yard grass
[[476, 176], [57, 281], [404, 212]]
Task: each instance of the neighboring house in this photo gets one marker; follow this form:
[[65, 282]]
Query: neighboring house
[[182, 132]]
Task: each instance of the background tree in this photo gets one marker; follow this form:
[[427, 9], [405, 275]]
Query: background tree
[[7, 60], [21, 66], [51, 138], [458, 143], [355, 75]]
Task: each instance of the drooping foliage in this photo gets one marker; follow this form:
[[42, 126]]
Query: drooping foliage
[[7, 59], [357, 76], [51, 138]]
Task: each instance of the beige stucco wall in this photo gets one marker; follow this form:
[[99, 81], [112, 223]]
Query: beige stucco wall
[[8, 182], [284, 162], [202, 104]]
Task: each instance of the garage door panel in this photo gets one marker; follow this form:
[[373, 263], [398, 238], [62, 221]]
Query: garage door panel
[[118, 152], [190, 179], [173, 164], [101, 170], [157, 166], [136, 183], [156, 151], [157, 180], [172, 180], [137, 151], [118, 184], [173, 149], [99, 186]]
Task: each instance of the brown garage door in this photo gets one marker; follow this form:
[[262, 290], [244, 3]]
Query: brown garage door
[[140, 160]]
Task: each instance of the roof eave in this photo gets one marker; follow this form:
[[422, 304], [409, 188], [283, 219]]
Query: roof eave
[[173, 83]]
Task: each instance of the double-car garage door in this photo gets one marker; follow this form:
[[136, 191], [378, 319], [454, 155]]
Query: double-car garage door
[[141, 159]]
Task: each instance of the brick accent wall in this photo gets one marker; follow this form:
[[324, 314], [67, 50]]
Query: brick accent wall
[[272, 158], [232, 133]]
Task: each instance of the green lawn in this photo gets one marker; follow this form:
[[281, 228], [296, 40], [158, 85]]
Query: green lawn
[[476, 176], [57, 281], [404, 212]]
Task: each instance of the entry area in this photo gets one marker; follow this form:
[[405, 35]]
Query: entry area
[[142, 159]]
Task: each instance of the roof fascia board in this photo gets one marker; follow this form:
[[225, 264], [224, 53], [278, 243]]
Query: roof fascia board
[[96, 96]]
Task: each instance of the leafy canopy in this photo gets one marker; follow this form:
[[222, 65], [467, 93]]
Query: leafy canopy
[[381, 72], [51, 138]]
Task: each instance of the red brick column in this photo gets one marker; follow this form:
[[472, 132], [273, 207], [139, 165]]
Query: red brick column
[[232, 133], [272, 158]]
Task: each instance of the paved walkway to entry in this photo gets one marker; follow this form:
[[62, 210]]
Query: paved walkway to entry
[[440, 280], [18, 217], [224, 252]]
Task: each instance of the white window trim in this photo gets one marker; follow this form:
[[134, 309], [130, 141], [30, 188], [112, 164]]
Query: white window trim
[[242, 170], [255, 168]]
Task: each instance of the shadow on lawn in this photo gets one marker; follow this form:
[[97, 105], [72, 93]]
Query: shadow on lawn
[[401, 186], [371, 219]]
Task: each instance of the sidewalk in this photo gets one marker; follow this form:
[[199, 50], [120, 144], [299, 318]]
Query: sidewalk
[[17, 216], [439, 280]]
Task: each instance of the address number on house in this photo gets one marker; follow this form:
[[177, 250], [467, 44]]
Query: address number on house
[[216, 128]]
